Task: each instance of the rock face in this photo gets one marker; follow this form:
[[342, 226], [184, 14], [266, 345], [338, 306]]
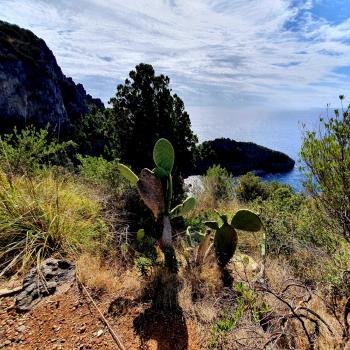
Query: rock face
[[240, 157], [33, 89], [36, 286]]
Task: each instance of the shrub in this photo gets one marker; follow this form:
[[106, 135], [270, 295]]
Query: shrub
[[250, 187], [43, 215], [294, 231], [326, 155], [99, 171], [28, 151], [218, 182]]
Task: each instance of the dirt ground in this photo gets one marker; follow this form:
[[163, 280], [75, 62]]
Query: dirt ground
[[68, 320]]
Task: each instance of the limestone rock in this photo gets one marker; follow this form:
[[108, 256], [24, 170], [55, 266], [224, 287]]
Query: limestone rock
[[33, 89], [43, 281]]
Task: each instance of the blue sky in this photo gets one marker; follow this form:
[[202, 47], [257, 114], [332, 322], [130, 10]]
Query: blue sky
[[268, 54]]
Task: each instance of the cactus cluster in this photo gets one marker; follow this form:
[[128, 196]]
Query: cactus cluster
[[156, 189], [226, 238]]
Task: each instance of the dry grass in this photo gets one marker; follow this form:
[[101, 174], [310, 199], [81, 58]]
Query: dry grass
[[46, 214], [108, 276]]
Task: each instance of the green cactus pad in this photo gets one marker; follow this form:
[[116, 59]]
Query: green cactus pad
[[212, 224], [186, 206], [225, 243], [246, 220], [160, 172], [128, 174], [164, 155]]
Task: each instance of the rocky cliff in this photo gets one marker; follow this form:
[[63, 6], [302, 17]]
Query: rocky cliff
[[240, 157], [33, 89]]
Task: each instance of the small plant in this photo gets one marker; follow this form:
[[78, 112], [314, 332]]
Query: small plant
[[247, 305], [226, 238], [156, 190]]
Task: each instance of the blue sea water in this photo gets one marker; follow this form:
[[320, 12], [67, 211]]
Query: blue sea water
[[278, 130]]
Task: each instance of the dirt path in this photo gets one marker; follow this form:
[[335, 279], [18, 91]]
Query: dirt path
[[67, 320]]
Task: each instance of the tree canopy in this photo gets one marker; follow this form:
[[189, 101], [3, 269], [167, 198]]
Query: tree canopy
[[144, 109]]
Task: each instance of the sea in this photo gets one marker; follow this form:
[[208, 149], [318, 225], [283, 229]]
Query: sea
[[279, 130]]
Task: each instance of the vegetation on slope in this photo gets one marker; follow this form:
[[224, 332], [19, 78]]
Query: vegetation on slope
[[282, 284]]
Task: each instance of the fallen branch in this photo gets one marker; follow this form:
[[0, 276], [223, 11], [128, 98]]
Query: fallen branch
[[110, 329], [9, 292]]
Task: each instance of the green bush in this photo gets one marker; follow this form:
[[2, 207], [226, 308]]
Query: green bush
[[250, 187], [326, 154], [219, 183], [99, 171], [295, 230], [30, 150]]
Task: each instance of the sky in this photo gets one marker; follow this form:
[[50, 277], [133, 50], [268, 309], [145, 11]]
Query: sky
[[269, 54]]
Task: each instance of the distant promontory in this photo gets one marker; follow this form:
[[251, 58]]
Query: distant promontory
[[240, 157]]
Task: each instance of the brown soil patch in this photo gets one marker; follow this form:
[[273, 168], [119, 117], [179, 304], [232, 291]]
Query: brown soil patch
[[68, 320]]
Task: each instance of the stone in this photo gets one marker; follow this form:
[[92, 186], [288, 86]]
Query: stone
[[21, 329], [53, 273], [99, 333]]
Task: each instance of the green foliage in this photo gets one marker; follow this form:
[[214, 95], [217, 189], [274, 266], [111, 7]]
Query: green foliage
[[247, 304], [226, 238], [250, 188], [43, 215], [144, 110], [296, 231], [219, 183], [326, 155], [246, 220], [30, 150], [164, 155], [143, 264], [128, 174], [99, 171]]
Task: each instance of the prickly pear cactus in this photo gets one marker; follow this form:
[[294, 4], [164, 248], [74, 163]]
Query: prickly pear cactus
[[164, 155], [225, 243], [246, 220], [151, 192], [128, 174], [186, 206], [226, 238]]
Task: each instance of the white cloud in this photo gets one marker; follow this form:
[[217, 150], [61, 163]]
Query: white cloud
[[215, 51]]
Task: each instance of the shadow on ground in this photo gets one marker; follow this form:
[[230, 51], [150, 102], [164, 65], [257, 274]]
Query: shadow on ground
[[163, 321], [168, 329]]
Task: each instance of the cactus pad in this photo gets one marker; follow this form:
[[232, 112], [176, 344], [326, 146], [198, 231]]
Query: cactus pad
[[151, 192], [225, 243], [164, 155], [246, 220], [128, 174], [186, 206]]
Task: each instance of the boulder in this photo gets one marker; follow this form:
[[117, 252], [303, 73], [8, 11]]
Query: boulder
[[43, 281]]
